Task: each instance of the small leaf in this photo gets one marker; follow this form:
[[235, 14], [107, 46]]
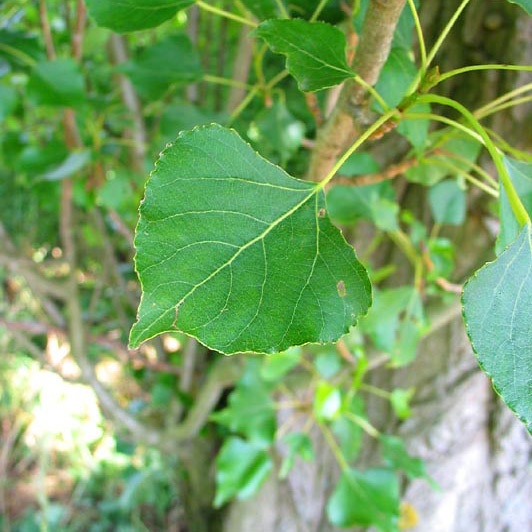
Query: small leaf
[[521, 176], [497, 304], [132, 15], [369, 498], [525, 4], [8, 101], [276, 132], [241, 468], [315, 51], [57, 83], [448, 202], [275, 367], [400, 401], [237, 253], [171, 60], [75, 161], [327, 401], [250, 413], [298, 445], [396, 455], [460, 150]]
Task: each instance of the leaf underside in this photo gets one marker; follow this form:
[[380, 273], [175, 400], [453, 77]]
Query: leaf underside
[[497, 303], [240, 255]]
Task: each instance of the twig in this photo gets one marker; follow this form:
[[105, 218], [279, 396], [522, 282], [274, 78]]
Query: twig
[[46, 32], [77, 34], [348, 116], [137, 133], [391, 172]]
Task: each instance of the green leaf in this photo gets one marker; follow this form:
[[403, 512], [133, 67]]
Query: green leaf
[[237, 253], [250, 413], [133, 15], [525, 4], [276, 132], [169, 61], [404, 34], [396, 456], [275, 367], [521, 176], [75, 161], [241, 468], [396, 76], [497, 304], [327, 401], [349, 433], [349, 204], [57, 83], [448, 202], [8, 101], [460, 150], [416, 131], [400, 401], [315, 51], [298, 445], [263, 9], [369, 498]]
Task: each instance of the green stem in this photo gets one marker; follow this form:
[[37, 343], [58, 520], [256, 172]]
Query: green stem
[[318, 10], [478, 169], [420, 37], [506, 105], [243, 104], [403, 243], [449, 26], [463, 70], [372, 91], [360, 140], [363, 424], [15, 52], [515, 202], [337, 452], [481, 111], [276, 79], [375, 391], [225, 14], [226, 81], [447, 121], [468, 177], [282, 9], [437, 45]]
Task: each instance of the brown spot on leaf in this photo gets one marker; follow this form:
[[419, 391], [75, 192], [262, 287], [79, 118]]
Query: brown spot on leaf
[[321, 213], [340, 286]]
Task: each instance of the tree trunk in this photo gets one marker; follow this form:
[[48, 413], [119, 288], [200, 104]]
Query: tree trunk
[[475, 449]]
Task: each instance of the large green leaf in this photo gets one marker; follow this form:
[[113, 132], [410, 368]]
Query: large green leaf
[[521, 176], [497, 303], [366, 498], [315, 51], [237, 253], [525, 4], [133, 15], [171, 60]]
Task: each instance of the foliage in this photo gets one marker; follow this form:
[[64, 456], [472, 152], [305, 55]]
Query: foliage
[[245, 256]]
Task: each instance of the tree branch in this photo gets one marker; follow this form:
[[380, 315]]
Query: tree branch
[[349, 115]]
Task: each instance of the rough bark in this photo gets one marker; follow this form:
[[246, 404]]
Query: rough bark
[[475, 449]]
